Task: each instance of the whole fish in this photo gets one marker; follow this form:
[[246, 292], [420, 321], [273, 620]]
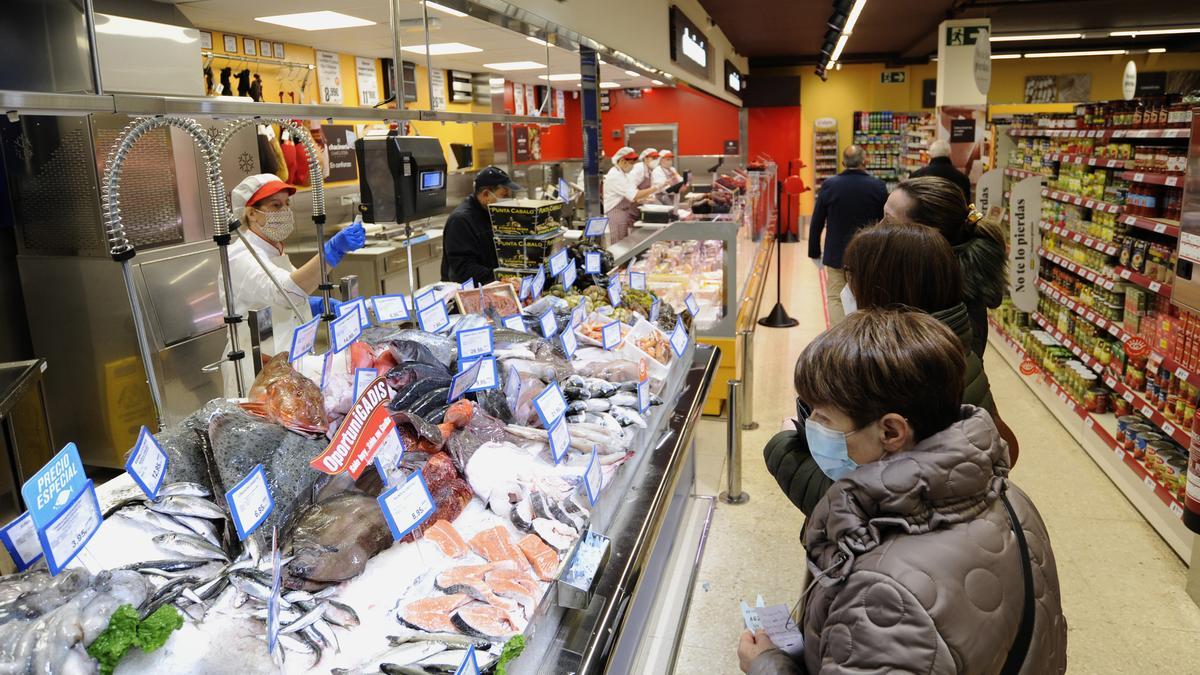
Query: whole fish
[[184, 505], [202, 527], [142, 517], [185, 489], [334, 538], [449, 639], [340, 614], [430, 402], [189, 546], [308, 619]]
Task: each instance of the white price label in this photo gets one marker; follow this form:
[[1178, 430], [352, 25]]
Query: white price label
[[577, 315], [147, 463], [593, 478], [614, 292], [569, 342], [637, 281], [1127, 395], [1168, 428], [390, 308], [1125, 274], [1089, 422], [655, 308], [303, 339], [550, 405], [595, 227], [1111, 382], [1182, 374], [679, 338], [569, 275], [20, 539], [345, 329], [433, 318], [526, 288], [1160, 228], [643, 396], [558, 262], [610, 335], [548, 324], [426, 299], [475, 342], [65, 536], [463, 380], [1119, 453], [250, 502], [538, 283], [693, 307], [560, 439], [359, 307], [468, 284], [1147, 411], [362, 379], [1154, 286], [1171, 181], [514, 322], [407, 505], [1149, 483], [1176, 509], [591, 263], [1139, 177], [488, 377]]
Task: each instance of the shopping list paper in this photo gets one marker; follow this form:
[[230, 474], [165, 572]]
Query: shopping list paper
[[570, 343], [433, 317], [779, 625], [147, 463], [593, 478], [462, 382], [304, 338], [679, 337], [362, 379], [637, 281], [64, 537], [475, 342], [345, 329], [569, 275], [560, 439], [595, 227], [692, 307], [614, 292], [407, 505], [514, 322], [550, 405], [250, 502], [558, 262], [48, 491], [20, 539], [591, 263], [488, 377], [549, 324], [390, 308], [610, 335]]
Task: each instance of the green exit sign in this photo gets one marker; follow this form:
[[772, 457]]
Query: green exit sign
[[892, 77], [961, 36]]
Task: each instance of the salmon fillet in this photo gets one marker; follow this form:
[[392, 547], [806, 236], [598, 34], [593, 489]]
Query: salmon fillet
[[484, 621], [433, 614], [447, 539], [470, 580], [495, 546], [515, 584], [543, 558]]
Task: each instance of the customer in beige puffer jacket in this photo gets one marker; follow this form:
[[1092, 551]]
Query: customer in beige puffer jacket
[[917, 567]]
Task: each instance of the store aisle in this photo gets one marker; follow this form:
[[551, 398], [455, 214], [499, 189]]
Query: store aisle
[[1122, 586]]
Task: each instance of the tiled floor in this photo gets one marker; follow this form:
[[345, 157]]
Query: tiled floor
[[1122, 586]]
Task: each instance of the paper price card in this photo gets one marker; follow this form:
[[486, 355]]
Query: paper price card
[[426, 299], [570, 343], [569, 275], [692, 306], [359, 307], [550, 405], [614, 292], [475, 342], [526, 288], [488, 377], [643, 396], [679, 337], [387, 459], [637, 281], [325, 365], [577, 315], [560, 439], [469, 665], [558, 262], [514, 322], [538, 283], [64, 537], [20, 539], [595, 227], [48, 491], [591, 263], [433, 317], [390, 308], [593, 478], [407, 505], [549, 324], [468, 284], [346, 329], [610, 335], [362, 379], [462, 382], [147, 464], [564, 193], [655, 308], [250, 502], [304, 338]]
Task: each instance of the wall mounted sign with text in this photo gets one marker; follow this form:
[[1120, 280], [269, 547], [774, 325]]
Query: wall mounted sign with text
[[689, 45]]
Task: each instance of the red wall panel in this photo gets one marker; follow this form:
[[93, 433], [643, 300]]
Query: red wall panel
[[775, 132], [564, 141], [705, 122]]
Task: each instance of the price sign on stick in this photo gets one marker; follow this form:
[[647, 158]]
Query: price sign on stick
[[147, 463], [637, 281], [468, 284], [550, 405], [593, 478], [643, 396], [610, 335], [679, 337], [591, 263], [558, 262], [560, 439], [426, 299], [303, 339], [488, 377], [250, 502], [20, 539], [526, 287], [538, 283], [577, 315], [49, 490], [433, 317], [362, 379], [359, 307], [692, 306], [655, 308], [390, 308], [549, 324], [407, 505], [346, 329], [569, 342], [569, 275], [614, 292], [64, 537], [595, 227], [514, 322], [462, 382], [475, 342]]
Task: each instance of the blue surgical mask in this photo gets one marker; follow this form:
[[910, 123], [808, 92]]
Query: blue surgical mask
[[828, 449]]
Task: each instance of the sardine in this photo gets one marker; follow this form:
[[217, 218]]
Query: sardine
[[205, 528], [340, 614], [189, 546], [304, 621], [185, 489], [449, 639], [628, 416], [165, 565], [185, 505]]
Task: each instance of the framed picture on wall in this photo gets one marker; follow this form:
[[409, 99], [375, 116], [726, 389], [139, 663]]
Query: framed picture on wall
[[250, 46], [206, 40], [264, 47], [231, 44], [278, 49]]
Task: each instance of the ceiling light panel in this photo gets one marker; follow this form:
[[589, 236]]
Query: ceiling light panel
[[323, 20], [562, 77], [515, 65], [1040, 36], [444, 9], [538, 41], [1154, 31], [1091, 52], [442, 49]]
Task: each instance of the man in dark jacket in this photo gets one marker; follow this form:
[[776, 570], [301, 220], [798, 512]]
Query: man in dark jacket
[[941, 166], [468, 251], [847, 202]]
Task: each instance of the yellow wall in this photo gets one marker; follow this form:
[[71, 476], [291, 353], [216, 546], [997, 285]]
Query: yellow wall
[[857, 87], [477, 135]]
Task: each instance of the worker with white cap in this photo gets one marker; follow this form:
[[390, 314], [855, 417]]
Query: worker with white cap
[[665, 174], [622, 193], [260, 272], [643, 173]]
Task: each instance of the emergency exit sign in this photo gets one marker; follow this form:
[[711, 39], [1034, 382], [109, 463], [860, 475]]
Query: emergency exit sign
[[960, 36], [892, 77]]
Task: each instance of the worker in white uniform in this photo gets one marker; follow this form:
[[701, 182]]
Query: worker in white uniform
[[263, 205], [621, 192], [643, 172], [665, 173]]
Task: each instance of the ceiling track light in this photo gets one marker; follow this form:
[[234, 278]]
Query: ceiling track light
[[1137, 32], [842, 22]]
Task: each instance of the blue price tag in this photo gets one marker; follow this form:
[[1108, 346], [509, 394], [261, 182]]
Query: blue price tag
[[569, 342], [692, 305], [362, 379], [147, 463], [637, 280], [468, 284], [387, 459], [560, 439], [577, 315], [550, 405], [569, 275], [358, 306], [655, 308], [475, 342], [433, 318], [49, 490], [20, 539], [462, 382], [250, 502], [679, 337], [488, 377], [610, 335], [593, 478], [71, 529], [346, 329], [538, 283], [595, 227], [407, 505], [426, 299], [303, 339], [526, 288], [643, 396], [469, 665], [614, 292], [591, 263], [390, 308], [548, 323], [558, 262], [514, 322]]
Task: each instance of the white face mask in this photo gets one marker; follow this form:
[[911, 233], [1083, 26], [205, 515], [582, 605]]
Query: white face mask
[[654, 164], [279, 225], [849, 304]]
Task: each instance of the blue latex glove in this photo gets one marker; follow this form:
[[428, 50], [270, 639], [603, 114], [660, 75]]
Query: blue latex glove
[[350, 239], [316, 305]]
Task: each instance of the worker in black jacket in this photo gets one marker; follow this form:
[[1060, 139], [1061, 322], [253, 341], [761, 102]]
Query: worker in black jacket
[[468, 251], [846, 203], [941, 166]]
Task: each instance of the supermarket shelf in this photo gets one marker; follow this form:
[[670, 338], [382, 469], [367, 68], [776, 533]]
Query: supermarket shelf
[[1103, 133], [1105, 247], [1103, 162], [1096, 434], [1167, 227], [1022, 173], [1153, 178], [1091, 317], [1080, 270], [1077, 200], [1144, 281]]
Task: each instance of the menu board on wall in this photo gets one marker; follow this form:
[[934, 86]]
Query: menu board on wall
[[368, 80], [689, 45], [518, 98], [438, 80], [329, 77], [343, 165]]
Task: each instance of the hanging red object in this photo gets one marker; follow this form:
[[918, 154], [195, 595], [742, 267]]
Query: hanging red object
[[794, 185]]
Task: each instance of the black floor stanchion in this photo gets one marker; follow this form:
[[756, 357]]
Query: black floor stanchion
[[778, 317]]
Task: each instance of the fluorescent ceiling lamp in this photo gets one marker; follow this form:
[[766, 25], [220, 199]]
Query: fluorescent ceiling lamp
[[1001, 57], [443, 49], [561, 77], [322, 20], [1153, 31], [1092, 52], [1041, 36], [124, 26], [496, 81], [853, 18], [445, 9], [837, 51], [657, 83], [538, 41], [632, 74], [1157, 50], [609, 85], [515, 65]]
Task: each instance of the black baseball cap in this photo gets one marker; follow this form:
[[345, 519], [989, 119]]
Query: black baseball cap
[[494, 177]]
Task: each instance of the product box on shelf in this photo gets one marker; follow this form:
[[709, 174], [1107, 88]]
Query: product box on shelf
[[526, 217]]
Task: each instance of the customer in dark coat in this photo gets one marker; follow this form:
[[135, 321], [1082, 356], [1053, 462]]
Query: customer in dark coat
[[940, 166], [846, 203], [468, 251]]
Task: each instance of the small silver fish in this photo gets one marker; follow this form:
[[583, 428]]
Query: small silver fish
[[449, 639], [202, 527], [410, 653], [305, 621], [340, 614], [189, 546], [185, 489], [185, 505]]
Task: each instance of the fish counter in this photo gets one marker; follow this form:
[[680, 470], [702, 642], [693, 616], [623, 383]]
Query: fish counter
[[477, 496]]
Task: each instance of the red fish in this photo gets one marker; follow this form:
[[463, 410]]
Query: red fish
[[283, 395]]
